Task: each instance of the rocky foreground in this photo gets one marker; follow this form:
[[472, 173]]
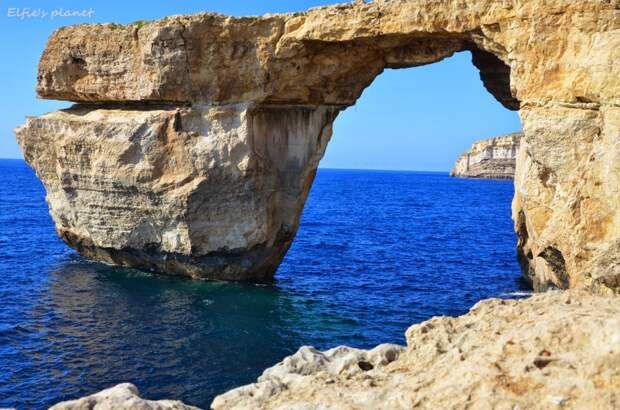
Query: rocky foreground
[[121, 396], [493, 158], [553, 350], [559, 349]]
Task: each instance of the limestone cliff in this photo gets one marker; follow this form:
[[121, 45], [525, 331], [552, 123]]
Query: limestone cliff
[[202, 133], [196, 138], [492, 158]]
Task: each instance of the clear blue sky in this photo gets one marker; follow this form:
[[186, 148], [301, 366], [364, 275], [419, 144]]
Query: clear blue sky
[[419, 118]]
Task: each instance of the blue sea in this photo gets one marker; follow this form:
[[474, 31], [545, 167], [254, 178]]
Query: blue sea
[[376, 252]]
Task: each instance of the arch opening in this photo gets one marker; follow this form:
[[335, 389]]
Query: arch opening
[[416, 111], [422, 242]]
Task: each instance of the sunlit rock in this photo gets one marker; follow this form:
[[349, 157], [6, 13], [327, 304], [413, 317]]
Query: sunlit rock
[[211, 183], [212, 192], [492, 158], [553, 350], [120, 397]]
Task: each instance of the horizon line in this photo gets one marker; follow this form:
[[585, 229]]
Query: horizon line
[[384, 169], [334, 168]]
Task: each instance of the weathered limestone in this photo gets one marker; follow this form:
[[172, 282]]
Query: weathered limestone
[[196, 138], [302, 58], [492, 158], [234, 215], [212, 192], [120, 397], [553, 350], [567, 198]]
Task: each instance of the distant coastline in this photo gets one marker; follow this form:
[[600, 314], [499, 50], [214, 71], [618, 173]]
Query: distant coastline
[[494, 158]]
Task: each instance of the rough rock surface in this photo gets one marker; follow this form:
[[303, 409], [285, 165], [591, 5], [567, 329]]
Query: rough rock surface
[[199, 198], [553, 350], [120, 397], [491, 158], [212, 192], [567, 197]]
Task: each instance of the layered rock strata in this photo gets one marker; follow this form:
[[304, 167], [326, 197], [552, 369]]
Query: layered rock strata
[[493, 158], [196, 137], [206, 192], [553, 350]]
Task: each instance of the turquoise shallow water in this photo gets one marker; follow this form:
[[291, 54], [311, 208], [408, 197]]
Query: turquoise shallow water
[[376, 252]]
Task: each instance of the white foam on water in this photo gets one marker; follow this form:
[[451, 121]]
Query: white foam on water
[[517, 294]]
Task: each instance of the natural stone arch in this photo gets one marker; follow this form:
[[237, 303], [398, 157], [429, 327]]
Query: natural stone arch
[[211, 181], [271, 56]]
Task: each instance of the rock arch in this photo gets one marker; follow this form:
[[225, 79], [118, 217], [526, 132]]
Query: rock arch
[[196, 138]]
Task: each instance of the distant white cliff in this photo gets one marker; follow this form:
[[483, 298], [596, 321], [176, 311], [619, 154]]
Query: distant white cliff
[[492, 158]]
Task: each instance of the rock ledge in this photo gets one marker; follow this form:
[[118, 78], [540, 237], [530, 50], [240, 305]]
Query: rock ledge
[[559, 349]]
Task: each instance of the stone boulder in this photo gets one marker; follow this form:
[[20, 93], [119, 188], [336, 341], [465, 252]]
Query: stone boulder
[[120, 397]]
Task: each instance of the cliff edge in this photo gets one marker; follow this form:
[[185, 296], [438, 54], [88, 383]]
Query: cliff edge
[[494, 158]]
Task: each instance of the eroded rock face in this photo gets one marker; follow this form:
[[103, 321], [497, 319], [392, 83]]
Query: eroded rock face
[[197, 197], [557, 349], [567, 196], [120, 397], [204, 192], [492, 158]]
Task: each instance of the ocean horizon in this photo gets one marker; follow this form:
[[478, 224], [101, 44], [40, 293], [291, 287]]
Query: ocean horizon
[[328, 168]]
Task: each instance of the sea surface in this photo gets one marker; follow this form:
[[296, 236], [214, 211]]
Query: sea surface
[[376, 252]]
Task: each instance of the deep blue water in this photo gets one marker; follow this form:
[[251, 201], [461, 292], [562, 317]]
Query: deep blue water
[[375, 252]]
